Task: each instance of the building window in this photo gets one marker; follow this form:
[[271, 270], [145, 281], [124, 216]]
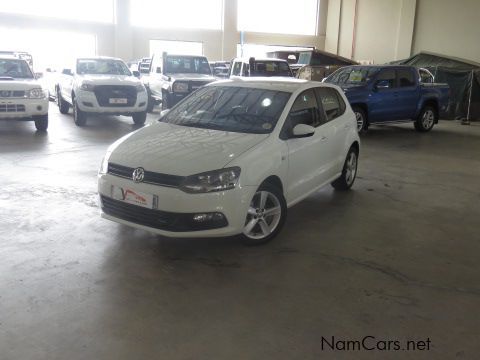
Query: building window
[[84, 10], [177, 14], [278, 16]]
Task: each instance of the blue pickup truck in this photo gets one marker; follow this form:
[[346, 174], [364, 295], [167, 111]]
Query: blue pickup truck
[[388, 93]]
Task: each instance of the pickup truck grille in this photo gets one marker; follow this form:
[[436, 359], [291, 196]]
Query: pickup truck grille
[[150, 177], [12, 94], [106, 92], [11, 108], [194, 85]]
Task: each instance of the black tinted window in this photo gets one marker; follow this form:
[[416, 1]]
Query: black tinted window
[[237, 67], [388, 77], [332, 103], [405, 78]]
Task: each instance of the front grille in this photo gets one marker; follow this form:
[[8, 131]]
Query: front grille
[[12, 94], [12, 108], [155, 218], [194, 85], [104, 93], [150, 177]]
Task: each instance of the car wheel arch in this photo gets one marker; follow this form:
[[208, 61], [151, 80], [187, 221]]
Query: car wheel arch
[[275, 181]]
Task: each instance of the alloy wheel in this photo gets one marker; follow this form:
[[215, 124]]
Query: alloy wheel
[[351, 168], [263, 215], [360, 121], [428, 119]]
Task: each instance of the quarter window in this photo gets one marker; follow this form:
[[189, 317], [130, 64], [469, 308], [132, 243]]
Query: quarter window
[[332, 103]]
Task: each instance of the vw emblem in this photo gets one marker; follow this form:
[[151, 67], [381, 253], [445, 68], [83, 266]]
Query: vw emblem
[[138, 175]]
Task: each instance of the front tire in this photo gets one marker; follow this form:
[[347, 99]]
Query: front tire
[[265, 217], [41, 122], [349, 171], [63, 106], [79, 117], [150, 102], [139, 118], [426, 119], [361, 117], [165, 101]]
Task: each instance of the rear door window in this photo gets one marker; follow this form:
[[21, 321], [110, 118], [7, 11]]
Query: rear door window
[[388, 76], [405, 78]]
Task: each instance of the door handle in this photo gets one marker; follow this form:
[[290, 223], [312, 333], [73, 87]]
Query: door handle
[[323, 138]]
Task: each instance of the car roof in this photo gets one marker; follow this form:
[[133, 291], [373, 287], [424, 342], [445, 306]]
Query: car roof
[[9, 57], [271, 83], [259, 59], [99, 58]]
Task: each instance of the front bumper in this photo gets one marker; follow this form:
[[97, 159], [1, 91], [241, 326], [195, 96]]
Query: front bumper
[[87, 102], [233, 204], [22, 109]]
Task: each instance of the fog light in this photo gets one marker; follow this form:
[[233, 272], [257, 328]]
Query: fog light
[[39, 108], [208, 217]]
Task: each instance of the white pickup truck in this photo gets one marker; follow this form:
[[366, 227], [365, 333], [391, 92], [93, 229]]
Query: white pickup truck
[[22, 97], [101, 85]]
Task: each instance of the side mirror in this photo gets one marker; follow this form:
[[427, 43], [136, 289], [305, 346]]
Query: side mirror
[[68, 72], [158, 70], [38, 75], [136, 73], [164, 112], [382, 84], [303, 130]]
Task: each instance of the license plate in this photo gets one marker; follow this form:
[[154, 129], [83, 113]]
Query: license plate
[[117, 101], [133, 197]]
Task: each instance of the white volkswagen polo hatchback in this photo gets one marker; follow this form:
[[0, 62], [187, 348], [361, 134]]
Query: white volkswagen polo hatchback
[[231, 158]]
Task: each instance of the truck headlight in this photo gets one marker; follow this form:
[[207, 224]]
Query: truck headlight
[[217, 180], [87, 87], [140, 88], [36, 93], [180, 87], [104, 166]]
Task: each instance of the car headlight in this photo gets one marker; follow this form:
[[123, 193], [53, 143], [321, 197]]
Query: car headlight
[[87, 87], [36, 93], [104, 166], [180, 87], [140, 88], [217, 180]]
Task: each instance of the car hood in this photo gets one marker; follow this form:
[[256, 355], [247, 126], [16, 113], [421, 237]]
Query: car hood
[[109, 79], [18, 84], [192, 77], [180, 150]]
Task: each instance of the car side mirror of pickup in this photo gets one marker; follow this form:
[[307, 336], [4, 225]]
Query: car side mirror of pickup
[[136, 73], [38, 75], [382, 84], [302, 130]]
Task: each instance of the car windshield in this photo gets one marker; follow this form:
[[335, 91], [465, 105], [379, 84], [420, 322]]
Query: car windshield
[[13, 68], [351, 75], [102, 67], [271, 68], [227, 108], [187, 65]]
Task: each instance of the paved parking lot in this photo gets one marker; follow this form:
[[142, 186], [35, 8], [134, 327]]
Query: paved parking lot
[[387, 259]]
